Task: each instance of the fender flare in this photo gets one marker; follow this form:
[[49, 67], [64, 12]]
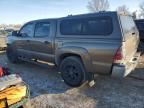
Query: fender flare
[[73, 51]]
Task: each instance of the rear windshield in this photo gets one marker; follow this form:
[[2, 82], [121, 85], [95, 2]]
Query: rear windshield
[[128, 25], [87, 26]]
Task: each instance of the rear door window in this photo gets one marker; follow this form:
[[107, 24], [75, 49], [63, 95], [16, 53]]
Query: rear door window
[[42, 29], [87, 26]]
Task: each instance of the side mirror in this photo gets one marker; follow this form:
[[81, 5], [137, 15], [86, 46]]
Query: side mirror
[[15, 33]]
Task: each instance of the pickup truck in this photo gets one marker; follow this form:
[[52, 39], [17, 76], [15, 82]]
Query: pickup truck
[[103, 43]]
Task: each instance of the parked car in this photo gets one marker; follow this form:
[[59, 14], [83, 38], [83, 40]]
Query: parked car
[[102, 43], [3, 34], [3, 44], [140, 26]]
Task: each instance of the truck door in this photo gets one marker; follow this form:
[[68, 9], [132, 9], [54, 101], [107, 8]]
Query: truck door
[[23, 39], [42, 42]]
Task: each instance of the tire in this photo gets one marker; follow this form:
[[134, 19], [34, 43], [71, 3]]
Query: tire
[[73, 71], [12, 55]]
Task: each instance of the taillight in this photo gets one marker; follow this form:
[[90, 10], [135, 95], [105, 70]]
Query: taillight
[[1, 72], [118, 56]]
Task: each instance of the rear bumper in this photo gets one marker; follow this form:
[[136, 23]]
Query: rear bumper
[[121, 71]]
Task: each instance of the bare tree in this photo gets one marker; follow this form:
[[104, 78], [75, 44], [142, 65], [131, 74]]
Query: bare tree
[[123, 9], [141, 10], [4, 26], [98, 5], [134, 14]]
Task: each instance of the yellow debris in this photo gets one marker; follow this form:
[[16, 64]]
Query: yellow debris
[[13, 94]]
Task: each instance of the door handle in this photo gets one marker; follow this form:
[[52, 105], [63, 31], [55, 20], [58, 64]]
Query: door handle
[[46, 42]]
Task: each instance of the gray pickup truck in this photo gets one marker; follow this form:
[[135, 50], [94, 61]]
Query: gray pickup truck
[[102, 43]]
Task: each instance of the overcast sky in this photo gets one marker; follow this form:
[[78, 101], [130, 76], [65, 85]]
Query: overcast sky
[[21, 11]]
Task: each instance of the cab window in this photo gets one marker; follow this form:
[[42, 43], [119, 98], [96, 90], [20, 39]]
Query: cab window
[[42, 29], [27, 30]]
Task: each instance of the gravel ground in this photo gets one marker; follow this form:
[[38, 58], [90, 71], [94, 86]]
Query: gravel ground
[[49, 91]]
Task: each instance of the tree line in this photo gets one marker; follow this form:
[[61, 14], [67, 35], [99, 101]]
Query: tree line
[[103, 5], [95, 6], [9, 26]]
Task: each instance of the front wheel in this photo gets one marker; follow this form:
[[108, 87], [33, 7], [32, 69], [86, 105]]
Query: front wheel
[[73, 71]]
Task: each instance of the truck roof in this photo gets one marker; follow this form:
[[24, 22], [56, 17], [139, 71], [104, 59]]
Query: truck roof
[[80, 15]]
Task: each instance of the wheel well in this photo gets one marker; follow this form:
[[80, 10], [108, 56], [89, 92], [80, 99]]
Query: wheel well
[[62, 57]]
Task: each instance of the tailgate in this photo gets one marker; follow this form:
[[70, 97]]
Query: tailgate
[[130, 37]]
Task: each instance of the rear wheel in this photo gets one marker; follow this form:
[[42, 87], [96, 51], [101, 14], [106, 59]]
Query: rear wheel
[[73, 71], [12, 54]]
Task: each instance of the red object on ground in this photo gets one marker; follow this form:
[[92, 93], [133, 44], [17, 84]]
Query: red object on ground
[[1, 72]]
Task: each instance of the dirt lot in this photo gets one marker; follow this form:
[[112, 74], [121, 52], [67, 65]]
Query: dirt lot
[[49, 91]]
